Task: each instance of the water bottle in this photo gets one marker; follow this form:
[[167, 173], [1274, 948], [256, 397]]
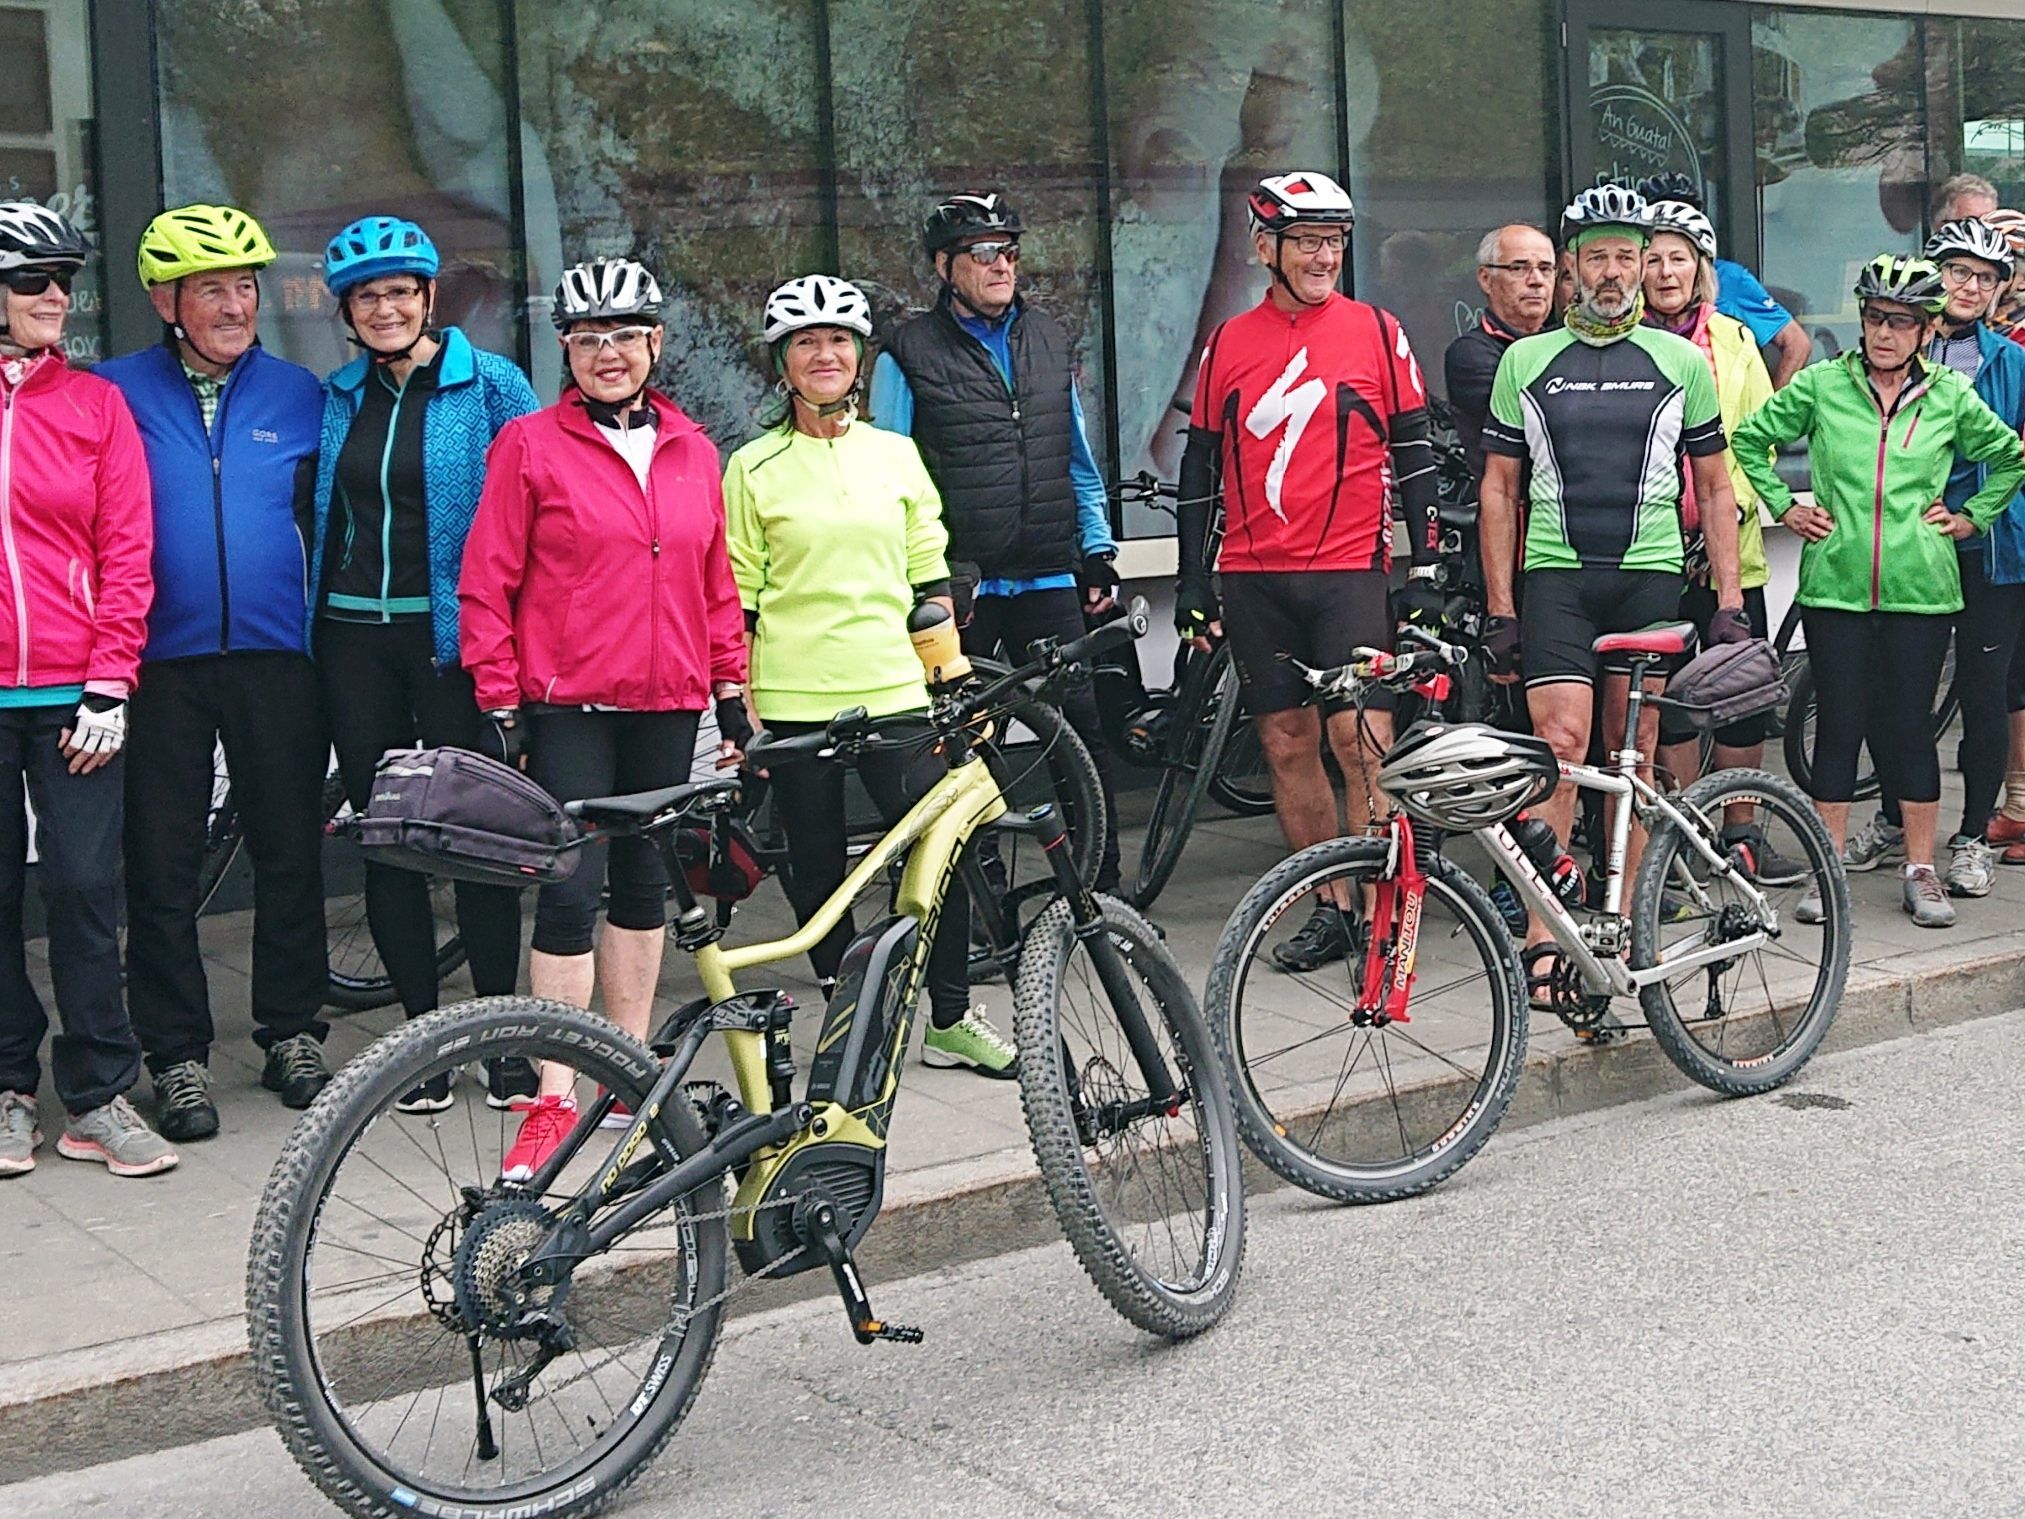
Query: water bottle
[[1535, 838], [936, 643]]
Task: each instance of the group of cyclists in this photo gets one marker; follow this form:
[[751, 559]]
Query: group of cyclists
[[207, 546]]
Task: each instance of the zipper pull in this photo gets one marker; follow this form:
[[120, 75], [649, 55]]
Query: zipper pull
[[1016, 409], [655, 548], [217, 466]]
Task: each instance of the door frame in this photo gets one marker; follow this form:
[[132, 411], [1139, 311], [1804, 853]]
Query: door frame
[[1731, 24]]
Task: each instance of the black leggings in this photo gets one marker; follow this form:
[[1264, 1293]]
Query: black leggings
[[1986, 639], [1875, 675], [381, 691], [810, 801], [574, 754]]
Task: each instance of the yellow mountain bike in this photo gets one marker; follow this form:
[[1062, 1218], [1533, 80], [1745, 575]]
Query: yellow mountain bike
[[431, 1339]]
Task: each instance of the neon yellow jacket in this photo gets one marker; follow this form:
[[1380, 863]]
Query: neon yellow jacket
[[1742, 386], [828, 538]]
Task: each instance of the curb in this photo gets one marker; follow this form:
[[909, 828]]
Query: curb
[[82, 1408]]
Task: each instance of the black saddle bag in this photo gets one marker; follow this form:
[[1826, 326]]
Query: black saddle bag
[[453, 813]]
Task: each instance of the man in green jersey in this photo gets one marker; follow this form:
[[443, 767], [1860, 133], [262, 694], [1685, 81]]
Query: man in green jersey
[[1605, 410]]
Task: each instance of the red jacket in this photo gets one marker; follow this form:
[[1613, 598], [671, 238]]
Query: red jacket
[[76, 531], [579, 588]]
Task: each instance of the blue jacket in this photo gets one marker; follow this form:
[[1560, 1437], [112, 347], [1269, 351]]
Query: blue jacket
[[2000, 381], [476, 394], [230, 571]]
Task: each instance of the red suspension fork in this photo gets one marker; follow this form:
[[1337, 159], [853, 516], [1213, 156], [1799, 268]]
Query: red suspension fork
[[1395, 930]]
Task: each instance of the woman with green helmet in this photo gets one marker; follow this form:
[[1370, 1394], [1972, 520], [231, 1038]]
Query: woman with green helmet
[[1879, 583]]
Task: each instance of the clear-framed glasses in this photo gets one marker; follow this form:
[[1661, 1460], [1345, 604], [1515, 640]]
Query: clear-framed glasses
[[988, 254], [1955, 272], [1522, 268], [35, 281], [398, 295], [1316, 242], [588, 345]]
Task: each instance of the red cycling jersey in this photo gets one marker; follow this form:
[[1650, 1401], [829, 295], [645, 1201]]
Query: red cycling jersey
[[1301, 405]]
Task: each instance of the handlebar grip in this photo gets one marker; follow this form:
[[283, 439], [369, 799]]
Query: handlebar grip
[[1132, 625]]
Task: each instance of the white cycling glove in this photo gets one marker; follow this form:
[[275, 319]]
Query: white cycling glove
[[101, 726]]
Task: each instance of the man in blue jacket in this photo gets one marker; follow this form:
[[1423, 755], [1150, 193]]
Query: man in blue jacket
[[228, 428]]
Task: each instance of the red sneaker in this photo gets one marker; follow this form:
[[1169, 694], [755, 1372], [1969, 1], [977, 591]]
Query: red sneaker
[[547, 1124]]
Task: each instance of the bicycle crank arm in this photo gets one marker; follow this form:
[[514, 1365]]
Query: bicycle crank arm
[[816, 1223]]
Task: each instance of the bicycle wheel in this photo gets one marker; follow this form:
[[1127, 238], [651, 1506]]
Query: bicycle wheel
[[222, 836], [358, 979], [1346, 1109], [381, 1292], [1241, 781], [1204, 717], [1748, 1024], [1152, 1201]]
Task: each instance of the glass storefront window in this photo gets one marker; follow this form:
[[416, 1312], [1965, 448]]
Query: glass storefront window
[[1976, 101], [317, 112], [45, 137], [1841, 157]]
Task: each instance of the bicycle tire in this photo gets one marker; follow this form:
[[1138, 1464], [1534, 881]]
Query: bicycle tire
[[1270, 1134], [1738, 1077], [293, 1379], [1054, 1093], [1241, 781], [356, 979], [1178, 797]]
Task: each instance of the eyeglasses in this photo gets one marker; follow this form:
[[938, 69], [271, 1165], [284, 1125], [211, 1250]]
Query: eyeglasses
[[1545, 271], [35, 281], [1968, 274], [1897, 321], [587, 345], [1316, 242], [988, 254], [368, 300]]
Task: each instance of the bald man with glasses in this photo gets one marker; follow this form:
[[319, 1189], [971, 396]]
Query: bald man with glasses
[[1515, 270]]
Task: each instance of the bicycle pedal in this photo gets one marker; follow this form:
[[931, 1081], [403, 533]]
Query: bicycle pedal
[[878, 1329]]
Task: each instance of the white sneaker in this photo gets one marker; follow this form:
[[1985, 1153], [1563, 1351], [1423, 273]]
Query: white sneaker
[[1926, 900], [1972, 867], [1876, 843]]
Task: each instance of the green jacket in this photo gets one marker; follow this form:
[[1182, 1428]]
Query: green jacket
[[1876, 475]]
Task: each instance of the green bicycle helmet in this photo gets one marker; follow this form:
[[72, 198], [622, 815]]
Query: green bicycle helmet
[[1901, 277], [195, 239]]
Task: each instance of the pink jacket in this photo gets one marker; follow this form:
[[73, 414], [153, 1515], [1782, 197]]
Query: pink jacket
[[580, 588], [76, 531]]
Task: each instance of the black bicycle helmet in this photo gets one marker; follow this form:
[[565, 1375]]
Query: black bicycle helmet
[[964, 216], [1673, 185]]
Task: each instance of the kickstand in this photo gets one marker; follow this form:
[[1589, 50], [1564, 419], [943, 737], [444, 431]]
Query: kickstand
[[819, 1227]]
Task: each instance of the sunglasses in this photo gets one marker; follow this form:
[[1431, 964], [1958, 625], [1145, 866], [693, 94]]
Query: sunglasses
[[35, 281], [584, 345], [988, 254], [1897, 321]]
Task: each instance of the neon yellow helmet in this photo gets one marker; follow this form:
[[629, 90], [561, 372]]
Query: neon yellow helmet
[[193, 239]]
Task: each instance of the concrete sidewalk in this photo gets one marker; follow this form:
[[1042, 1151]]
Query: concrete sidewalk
[[125, 1329]]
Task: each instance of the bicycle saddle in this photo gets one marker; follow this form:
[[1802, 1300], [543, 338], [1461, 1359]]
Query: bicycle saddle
[[1660, 638], [638, 808]]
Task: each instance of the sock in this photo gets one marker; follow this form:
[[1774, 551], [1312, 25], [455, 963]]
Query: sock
[[1910, 870], [2014, 795]]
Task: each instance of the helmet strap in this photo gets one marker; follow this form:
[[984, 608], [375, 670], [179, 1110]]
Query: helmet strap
[[1279, 274]]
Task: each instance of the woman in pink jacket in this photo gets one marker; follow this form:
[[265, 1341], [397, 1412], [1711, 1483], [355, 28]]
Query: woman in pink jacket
[[598, 620], [76, 531]]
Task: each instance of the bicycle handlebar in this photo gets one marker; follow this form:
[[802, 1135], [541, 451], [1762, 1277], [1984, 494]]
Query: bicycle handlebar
[[1397, 670]]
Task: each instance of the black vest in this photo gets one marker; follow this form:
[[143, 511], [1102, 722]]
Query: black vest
[[1000, 458]]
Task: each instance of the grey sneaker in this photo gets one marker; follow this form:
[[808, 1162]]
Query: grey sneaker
[[1972, 867], [1875, 843], [18, 1134], [1810, 909], [1926, 899], [117, 1139], [184, 1110]]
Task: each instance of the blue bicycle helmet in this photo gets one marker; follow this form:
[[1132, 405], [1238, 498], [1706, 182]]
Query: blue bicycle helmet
[[374, 246]]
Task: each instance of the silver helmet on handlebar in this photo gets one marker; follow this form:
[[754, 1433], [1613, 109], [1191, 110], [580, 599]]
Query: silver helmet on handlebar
[[1467, 777]]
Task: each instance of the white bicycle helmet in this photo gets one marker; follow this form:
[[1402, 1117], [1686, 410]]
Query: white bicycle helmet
[[1678, 217], [606, 287], [1282, 201], [1604, 206], [1970, 239], [817, 300], [1467, 776], [35, 236]]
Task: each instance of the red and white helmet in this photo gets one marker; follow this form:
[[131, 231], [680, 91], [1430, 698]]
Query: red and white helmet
[[1282, 201]]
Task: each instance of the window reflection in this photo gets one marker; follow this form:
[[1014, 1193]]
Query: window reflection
[[45, 124]]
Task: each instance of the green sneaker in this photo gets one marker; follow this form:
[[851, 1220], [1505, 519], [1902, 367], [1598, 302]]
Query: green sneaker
[[973, 1043]]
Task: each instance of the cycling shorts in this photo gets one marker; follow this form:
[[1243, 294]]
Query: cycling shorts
[[1316, 616], [1698, 605], [1566, 611]]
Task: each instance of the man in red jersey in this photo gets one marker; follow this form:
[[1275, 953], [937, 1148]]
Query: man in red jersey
[[1310, 417]]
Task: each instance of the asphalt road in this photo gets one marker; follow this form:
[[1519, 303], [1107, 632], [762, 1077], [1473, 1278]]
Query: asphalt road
[[1807, 1304]]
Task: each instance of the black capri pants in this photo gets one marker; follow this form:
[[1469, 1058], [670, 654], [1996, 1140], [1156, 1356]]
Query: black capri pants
[[574, 754], [1875, 676]]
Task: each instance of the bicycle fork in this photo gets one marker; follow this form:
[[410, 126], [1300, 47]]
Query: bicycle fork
[[1394, 941]]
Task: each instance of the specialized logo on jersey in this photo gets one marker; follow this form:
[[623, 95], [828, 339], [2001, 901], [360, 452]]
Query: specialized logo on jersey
[[1289, 405], [1404, 350]]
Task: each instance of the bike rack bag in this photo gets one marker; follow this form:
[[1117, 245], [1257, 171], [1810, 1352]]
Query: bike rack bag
[[1724, 685], [456, 814]]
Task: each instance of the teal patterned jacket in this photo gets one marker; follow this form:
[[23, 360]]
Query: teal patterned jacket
[[476, 394]]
